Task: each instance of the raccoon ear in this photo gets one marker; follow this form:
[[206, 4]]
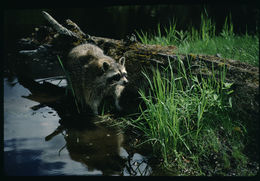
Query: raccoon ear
[[122, 61], [105, 66]]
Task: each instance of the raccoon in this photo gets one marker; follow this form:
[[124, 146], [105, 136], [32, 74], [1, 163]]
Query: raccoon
[[95, 75]]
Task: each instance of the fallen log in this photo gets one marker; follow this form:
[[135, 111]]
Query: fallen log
[[59, 39]]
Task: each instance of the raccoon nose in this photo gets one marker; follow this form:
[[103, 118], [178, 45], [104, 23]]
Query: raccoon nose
[[125, 81]]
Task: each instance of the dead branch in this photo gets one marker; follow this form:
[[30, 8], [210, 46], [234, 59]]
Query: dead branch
[[58, 27]]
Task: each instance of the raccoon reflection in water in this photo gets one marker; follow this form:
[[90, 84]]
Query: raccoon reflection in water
[[95, 75]]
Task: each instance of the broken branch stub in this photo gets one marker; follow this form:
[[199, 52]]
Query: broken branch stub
[[77, 29], [58, 27]]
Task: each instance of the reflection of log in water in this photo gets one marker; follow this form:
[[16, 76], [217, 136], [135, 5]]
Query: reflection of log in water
[[98, 148]]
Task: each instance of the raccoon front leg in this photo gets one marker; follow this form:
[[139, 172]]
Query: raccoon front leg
[[117, 105], [119, 89], [94, 106], [92, 100]]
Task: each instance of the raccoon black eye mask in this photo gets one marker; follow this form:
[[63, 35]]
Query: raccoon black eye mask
[[116, 77]]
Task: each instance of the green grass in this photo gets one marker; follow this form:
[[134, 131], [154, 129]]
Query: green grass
[[244, 48], [69, 87], [205, 40], [189, 120], [189, 125]]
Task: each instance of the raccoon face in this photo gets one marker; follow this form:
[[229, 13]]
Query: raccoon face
[[116, 73]]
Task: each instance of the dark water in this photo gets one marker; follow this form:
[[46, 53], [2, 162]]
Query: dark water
[[30, 148]]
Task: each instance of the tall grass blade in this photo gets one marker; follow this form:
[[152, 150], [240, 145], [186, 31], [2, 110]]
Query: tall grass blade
[[69, 83]]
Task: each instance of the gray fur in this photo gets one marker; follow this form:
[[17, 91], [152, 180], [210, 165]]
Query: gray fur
[[95, 75]]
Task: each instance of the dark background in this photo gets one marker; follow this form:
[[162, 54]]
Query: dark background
[[116, 20]]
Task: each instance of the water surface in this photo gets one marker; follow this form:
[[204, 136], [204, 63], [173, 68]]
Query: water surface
[[33, 147]]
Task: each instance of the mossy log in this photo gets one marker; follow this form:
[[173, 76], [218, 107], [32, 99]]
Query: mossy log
[[58, 39]]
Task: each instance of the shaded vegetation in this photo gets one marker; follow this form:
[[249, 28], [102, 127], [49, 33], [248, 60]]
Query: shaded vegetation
[[191, 127]]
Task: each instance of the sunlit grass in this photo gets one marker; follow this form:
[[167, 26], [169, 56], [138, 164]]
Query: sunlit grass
[[244, 48], [206, 41]]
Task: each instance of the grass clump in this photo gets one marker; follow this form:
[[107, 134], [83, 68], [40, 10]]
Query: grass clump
[[206, 41], [188, 122]]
